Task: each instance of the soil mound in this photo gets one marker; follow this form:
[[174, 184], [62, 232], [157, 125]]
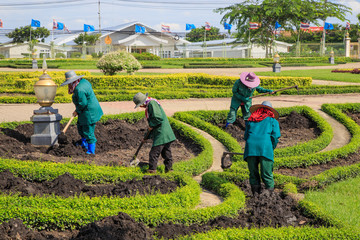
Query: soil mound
[[117, 143], [15, 229], [66, 185], [120, 227], [262, 210]]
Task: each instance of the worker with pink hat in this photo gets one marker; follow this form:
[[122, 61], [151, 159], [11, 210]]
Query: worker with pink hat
[[242, 90]]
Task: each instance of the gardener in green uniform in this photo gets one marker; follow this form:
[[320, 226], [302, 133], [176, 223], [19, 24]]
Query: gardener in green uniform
[[242, 90], [261, 135], [160, 131], [87, 109]]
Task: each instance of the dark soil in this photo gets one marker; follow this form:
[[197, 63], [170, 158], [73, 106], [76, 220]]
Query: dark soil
[[119, 227], [263, 210], [310, 171], [66, 185], [295, 128], [117, 143]]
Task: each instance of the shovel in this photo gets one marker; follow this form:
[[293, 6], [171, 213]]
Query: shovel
[[61, 137], [282, 89], [135, 161]]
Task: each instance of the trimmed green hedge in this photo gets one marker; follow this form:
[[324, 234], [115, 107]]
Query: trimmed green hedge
[[294, 233]]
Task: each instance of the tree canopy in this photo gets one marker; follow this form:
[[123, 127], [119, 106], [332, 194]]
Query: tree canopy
[[88, 39], [22, 34], [197, 34], [289, 13]]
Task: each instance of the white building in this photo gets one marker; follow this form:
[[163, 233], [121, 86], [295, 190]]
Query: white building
[[124, 37], [229, 48], [21, 50]]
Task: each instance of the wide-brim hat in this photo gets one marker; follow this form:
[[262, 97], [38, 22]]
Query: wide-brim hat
[[70, 77], [265, 104], [139, 99], [249, 79]]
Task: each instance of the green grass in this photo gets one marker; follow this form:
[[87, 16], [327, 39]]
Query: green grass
[[340, 199], [318, 74]]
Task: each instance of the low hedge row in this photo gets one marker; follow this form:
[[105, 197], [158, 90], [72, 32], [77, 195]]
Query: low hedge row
[[216, 66], [52, 212], [37, 74], [216, 117], [226, 139], [295, 233], [324, 157]]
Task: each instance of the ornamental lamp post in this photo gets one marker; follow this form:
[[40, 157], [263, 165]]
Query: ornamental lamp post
[[276, 66], [46, 119], [331, 58]]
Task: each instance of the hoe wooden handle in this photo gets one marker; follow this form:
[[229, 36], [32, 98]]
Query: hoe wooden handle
[[68, 124]]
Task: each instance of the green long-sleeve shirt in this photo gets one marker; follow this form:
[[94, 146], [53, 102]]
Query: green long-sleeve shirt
[[86, 103], [261, 138], [162, 132]]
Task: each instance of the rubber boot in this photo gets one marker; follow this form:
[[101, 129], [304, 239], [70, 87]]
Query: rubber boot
[[91, 148], [227, 124], [84, 143], [255, 189]]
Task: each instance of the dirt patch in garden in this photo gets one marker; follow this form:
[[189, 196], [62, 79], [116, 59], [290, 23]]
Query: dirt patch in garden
[[66, 185], [117, 143], [313, 170], [119, 227], [263, 210], [295, 128]]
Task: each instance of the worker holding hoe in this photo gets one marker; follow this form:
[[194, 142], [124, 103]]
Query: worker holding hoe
[[159, 131], [242, 90], [87, 109], [261, 135]]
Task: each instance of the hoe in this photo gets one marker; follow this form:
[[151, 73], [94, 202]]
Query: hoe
[[226, 161]]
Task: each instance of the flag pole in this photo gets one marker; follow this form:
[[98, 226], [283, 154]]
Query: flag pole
[[249, 50], [30, 43]]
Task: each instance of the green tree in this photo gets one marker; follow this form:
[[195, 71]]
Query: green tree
[[89, 39], [197, 34], [22, 34], [289, 13]]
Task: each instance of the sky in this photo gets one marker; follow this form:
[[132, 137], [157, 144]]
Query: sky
[[174, 13]]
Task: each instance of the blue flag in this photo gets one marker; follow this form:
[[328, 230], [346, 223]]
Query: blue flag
[[277, 25], [88, 28], [139, 29], [60, 26], [227, 26], [190, 26], [328, 26], [35, 23]]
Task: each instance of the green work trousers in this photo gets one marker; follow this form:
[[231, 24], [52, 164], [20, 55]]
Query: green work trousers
[[88, 132], [266, 171], [234, 106]]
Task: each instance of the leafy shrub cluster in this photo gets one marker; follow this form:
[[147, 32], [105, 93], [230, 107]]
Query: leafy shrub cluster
[[146, 56], [117, 61]]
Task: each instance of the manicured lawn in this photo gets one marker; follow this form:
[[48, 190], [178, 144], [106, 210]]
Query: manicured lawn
[[318, 74], [341, 199]]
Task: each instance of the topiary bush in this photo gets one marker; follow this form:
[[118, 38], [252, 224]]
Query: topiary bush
[[118, 61]]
